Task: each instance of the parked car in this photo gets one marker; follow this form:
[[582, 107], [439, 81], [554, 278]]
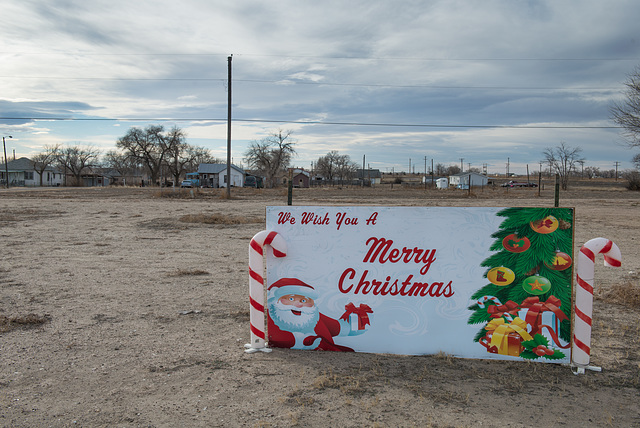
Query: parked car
[[253, 181], [518, 184], [186, 183]]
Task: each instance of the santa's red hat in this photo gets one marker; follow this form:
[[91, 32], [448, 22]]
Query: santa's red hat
[[285, 286]]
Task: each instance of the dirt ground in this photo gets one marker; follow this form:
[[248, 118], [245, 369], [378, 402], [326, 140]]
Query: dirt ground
[[117, 312]]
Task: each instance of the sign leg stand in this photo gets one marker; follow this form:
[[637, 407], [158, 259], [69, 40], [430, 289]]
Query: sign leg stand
[[250, 349]]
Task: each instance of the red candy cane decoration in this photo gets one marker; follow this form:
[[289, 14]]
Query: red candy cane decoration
[[256, 285], [583, 307]]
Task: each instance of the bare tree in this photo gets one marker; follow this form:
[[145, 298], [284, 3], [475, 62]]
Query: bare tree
[[440, 169], [592, 171], [44, 160], [453, 170], [563, 160], [149, 147], [608, 173], [203, 155], [120, 162], [327, 165], [346, 168], [178, 153], [76, 159], [271, 155], [334, 166], [627, 112], [128, 167]]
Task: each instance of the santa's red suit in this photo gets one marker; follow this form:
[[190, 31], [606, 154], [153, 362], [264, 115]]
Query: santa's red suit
[[295, 322], [325, 330]]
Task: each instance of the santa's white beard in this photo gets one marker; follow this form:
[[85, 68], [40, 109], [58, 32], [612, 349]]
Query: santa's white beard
[[285, 319]]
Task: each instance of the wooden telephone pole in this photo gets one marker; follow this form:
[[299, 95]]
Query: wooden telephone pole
[[229, 131]]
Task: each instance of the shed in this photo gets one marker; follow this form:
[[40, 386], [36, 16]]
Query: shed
[[300, 178]]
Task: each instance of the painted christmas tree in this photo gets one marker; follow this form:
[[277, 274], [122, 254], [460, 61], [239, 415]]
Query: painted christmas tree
[[525, 308]]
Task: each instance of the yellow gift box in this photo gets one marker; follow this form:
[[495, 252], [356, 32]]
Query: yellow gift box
[[505, 338]]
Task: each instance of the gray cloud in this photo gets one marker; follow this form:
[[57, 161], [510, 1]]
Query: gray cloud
[[499, 62]]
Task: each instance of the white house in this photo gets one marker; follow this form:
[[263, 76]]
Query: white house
[[215, 175], [23, 172], [463, 180]]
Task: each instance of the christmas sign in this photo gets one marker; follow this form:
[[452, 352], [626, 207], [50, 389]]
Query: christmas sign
[[470, 282]]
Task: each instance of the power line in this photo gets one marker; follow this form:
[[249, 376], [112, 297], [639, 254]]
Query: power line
[[285, 81], [114, 78], [339, 57], [310, 122]]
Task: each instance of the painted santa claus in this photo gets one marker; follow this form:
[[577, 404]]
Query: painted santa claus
[[294, 320]]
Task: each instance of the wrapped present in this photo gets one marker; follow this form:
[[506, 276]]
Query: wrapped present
[[509, 308], [505, 338], [544, 318], [358, 317]]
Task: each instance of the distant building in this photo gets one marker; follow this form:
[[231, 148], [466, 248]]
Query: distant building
[[215, 175], [442, 183], [23, 172], [372, 176], [299, 178], [102, 177], [463, 179]]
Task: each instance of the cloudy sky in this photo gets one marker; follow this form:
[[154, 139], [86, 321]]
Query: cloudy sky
[[488, 82]]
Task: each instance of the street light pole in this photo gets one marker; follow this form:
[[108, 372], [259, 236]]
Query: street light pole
[[6, 167]]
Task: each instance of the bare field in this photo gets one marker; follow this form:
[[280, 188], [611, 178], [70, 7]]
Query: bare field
[[129, 307]]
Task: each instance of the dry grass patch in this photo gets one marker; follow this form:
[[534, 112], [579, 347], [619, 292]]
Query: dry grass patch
[[31, 320], [347, 384], [218, 219], [624, 294], [179, 193], [189, 272]]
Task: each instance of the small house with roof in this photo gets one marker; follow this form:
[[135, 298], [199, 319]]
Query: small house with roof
[[215, 175], [463, 179], [300, 178], [23, 172]]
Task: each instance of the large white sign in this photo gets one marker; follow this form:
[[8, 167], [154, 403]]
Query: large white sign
[[422, 281]]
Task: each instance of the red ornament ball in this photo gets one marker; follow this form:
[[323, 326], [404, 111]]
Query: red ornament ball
[[515, 244], [561, 261]]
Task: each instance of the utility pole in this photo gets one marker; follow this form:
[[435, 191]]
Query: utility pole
[[461, 165], [364, 157], [425, 173], [6, 167], [409, 166], [229, 130], [617, 164], [432, 183]]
